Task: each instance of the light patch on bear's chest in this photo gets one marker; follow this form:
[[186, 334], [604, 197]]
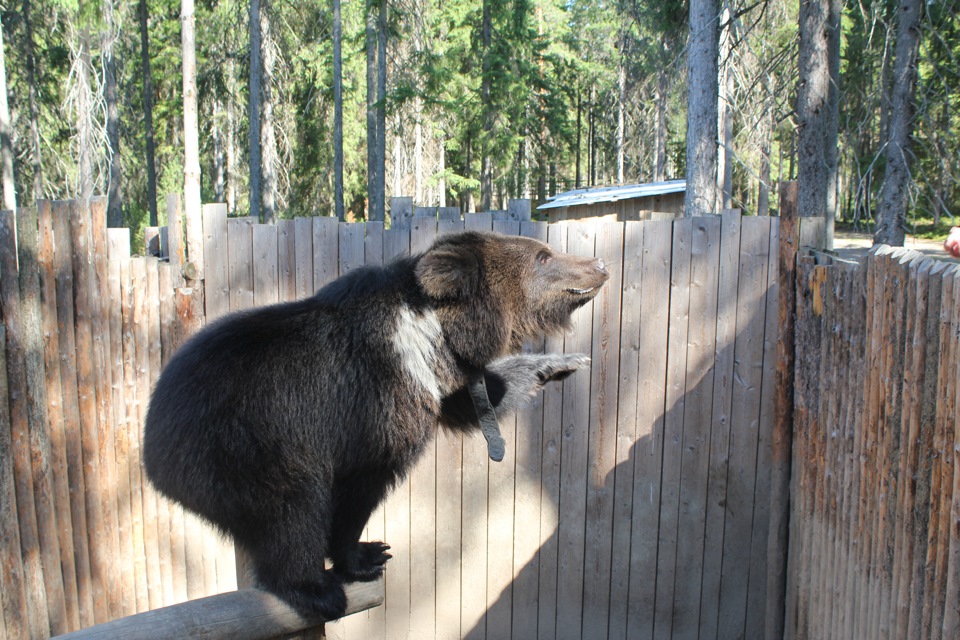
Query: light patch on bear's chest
[[415, 339]]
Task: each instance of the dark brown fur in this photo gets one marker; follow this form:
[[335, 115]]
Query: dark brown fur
[[285, 426]]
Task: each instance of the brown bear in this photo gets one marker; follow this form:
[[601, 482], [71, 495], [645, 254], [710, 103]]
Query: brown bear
[[286, 425]]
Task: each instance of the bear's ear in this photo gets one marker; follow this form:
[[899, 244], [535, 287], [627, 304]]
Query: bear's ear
[[449, 272]]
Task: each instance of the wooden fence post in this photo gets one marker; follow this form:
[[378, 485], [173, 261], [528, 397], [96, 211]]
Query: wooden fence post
[[781, 451]]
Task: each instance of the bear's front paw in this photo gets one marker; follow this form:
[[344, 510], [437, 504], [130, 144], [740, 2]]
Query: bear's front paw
[[366, 564], [558, 367]]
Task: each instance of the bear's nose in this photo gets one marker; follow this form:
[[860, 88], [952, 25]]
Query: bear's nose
[[600, 265]]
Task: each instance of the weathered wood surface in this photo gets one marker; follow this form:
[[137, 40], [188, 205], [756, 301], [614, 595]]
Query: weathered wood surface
[[634, 498], [873, 523]]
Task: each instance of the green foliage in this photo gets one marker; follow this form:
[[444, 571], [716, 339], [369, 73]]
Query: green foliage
[[553, 67]]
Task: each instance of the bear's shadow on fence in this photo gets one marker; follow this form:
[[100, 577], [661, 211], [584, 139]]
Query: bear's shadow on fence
[[681, 524]]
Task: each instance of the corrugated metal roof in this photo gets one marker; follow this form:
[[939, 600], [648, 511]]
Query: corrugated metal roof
[[613, 194]]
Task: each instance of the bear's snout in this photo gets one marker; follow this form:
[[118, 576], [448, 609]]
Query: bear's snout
[[601, 266]]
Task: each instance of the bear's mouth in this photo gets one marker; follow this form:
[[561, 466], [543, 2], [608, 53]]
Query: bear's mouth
[[582, 292]]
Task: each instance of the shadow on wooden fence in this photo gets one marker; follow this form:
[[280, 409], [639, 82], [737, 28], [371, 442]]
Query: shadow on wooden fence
[[634, 499]]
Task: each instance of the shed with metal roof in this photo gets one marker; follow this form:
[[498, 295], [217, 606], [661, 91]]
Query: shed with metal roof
[[621, 202]]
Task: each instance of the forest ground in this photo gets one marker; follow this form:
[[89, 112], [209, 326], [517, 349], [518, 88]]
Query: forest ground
[[854, 244]]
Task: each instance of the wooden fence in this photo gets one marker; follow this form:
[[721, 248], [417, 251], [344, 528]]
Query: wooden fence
[[633, 500], [875, 533]]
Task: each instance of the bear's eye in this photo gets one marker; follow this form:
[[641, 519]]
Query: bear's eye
[[543, 257]]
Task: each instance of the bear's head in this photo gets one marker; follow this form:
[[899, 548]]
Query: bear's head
[[492, 292]]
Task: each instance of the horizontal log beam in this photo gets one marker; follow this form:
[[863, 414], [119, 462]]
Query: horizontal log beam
[[248, 614]]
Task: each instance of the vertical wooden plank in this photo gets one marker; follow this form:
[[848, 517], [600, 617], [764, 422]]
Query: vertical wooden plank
[[303, 250], [722, 398], [350, 246], [673, 430], [474, 546], [449, 515], [550, 479], [945, 450], [147, 495], [266, 270], [757, 581], [13, 597], [176, 590], [697, 411], [103, 381], [126, 442], [240, 263], [745, 416], [894, 439], [602, 442], [32, 536], [287, 260], [117, 251], [574, 467], [951, 513], [155, 355], [396, 243], [371, 623], [27, 245], [189, 319], [216, 290], [351, 256], [325, 251], [527, 536], [910, 430], [501, 491], [423, 498], [84, 293], [783, 415], [475, 513], [54, 398], [648, 450], [627, 392], [930, 338], [31, 551]]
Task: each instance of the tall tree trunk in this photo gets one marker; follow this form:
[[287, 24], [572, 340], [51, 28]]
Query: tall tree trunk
[[896, 181], [114, 189], [766, 135], [191, 139], [579, 180], [660, 135], [831, 147], [256, 70], [418, 150], [269, 162], [219, 170], [6, 137], [701, 197], [381, 159], [442, 169], [592, 140], [486, 106], [812, 107], [621, 105], [725, 110], [468, 201], [370, 42], [338, 208], [229, 140], [34, 103], [148, 112]]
